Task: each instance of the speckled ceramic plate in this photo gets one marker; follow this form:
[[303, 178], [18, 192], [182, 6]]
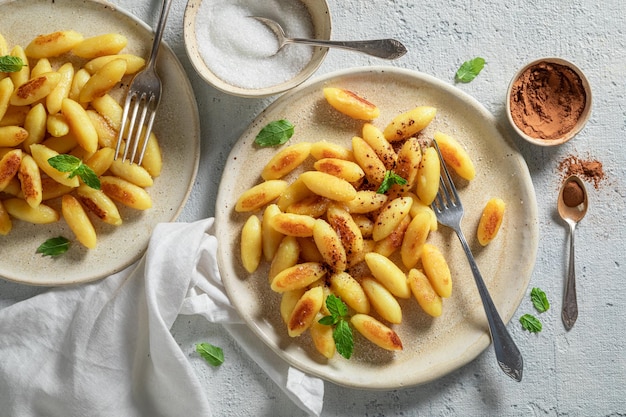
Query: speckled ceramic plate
[[432, 346], [177, 127]]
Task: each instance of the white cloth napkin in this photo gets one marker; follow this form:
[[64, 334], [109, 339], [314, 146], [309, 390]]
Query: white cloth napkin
[[105, 348]]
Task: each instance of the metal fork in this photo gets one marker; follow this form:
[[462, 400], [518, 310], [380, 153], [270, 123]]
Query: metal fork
[[449, 211], [142, 100]]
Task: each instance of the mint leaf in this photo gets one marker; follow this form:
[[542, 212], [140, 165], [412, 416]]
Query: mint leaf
[[212, 354], [88, 176], [275, 133], [389, 180], [327, 321], [65, 163], [336, 307], [539, 299], [470, 69], [75, 166], [9, 63], [530, 323], [342, 333], [54, 246]]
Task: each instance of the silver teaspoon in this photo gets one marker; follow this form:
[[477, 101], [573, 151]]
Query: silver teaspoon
[[381, 48], [572, 207]]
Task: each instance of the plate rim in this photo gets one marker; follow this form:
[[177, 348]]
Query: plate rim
[[482, 342], [113, 8]]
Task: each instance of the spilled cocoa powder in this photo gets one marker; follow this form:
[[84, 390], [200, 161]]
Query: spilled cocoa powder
[[589, 170], [547, 100]]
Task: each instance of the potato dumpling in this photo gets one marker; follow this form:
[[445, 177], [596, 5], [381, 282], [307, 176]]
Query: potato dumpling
[[328, 186], [409, 123], [388, 274], [351, 104], [391, 216], [78, 221], [490, 221], [292, 224], [329, 244], [383, 301], [286, 256], [428, 174], [298, 276], [381, 146], [350, 291], [455, 156], [414, 239], [9, 166], [251, 244], [347, 170], [304, 311], [35, 89], [437, 270], [258, 196], [322, 337], [271, 237], [53, 44], [21, 210], [376, 332], [424, 293], [286, 161], [5, 221]]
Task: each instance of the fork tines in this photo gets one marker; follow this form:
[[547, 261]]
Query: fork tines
[[446, 186], [135, 133]]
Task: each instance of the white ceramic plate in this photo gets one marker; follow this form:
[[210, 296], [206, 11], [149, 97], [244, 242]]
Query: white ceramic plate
[[177, 127], [432, 346]]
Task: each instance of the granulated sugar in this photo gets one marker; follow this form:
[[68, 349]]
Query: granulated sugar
[[241, 50]]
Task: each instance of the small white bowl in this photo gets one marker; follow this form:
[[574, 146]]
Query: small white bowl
[[320, 19], [582, 119]]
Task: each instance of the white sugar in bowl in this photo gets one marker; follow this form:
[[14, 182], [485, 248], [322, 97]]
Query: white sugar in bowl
[[239, 55]]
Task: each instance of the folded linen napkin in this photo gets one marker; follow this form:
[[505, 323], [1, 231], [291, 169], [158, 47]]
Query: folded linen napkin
[[105, 348]]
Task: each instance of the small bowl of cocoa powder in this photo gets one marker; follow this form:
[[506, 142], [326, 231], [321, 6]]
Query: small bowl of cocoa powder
[[548, 101]]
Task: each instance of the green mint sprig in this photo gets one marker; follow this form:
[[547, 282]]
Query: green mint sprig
[[470, 69], [275, 133], [539, 299], [54, 246], [389, 180], [10, 63], [75, 166], [530, 323], [541, 303], [342, 333], [214, 355]]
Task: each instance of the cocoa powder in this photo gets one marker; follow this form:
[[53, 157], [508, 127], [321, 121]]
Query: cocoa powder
[[573, 195], [589, 170], [547, 100]]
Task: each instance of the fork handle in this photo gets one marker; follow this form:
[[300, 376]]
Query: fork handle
[[508, 355], [158, 32]]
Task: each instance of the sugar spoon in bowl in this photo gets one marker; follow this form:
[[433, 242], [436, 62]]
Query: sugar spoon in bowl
[[572, 206], [381, 48]]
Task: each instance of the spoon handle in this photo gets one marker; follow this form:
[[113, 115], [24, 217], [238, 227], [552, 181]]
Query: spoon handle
[[381, 48], [569, 313]]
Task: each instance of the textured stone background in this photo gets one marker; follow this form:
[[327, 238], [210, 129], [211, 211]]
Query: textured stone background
[[576, 373]]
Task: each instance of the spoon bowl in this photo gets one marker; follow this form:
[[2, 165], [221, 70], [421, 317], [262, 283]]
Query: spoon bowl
[[572, 206], [380, 48]]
